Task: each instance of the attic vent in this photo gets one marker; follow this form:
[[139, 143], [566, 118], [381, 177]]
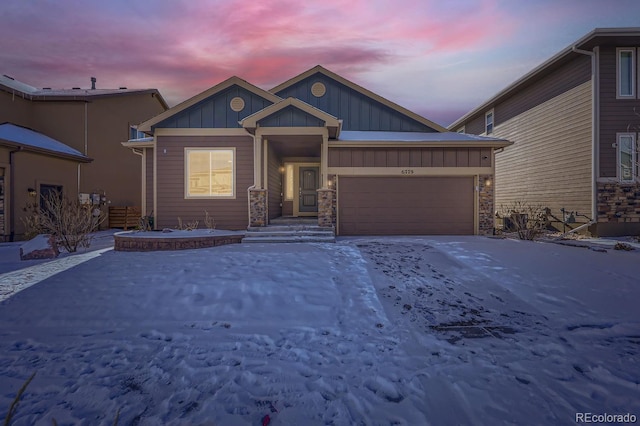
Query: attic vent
[[237, 104], [46, 88], [75, 88], [318, 90]]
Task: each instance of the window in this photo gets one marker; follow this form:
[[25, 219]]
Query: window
[[488, 122], [288, 182], [134, 133], [626, 73], [627, 157], [210, 172]]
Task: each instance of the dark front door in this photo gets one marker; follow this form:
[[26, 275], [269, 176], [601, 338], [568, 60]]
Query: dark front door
[[309, 179]]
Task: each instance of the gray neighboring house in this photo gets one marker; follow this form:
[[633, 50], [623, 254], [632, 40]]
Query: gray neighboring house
[[575, 122]]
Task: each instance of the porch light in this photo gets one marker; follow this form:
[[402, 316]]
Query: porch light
[[281, 169], [487, 182], [32, 192]]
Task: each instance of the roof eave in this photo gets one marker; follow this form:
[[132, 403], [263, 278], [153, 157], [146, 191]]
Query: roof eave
[[35, 150]]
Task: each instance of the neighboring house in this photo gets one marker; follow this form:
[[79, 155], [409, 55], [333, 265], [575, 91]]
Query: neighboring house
[[68, 140], [317, 145], [574, 121]]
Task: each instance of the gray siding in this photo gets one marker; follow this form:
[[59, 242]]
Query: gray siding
[[215, 111], [274, 183], [149, 180], [550, 161], [557, 81], [407, 157], [228, 214], [357, 111], [616, 115], [291, 117]]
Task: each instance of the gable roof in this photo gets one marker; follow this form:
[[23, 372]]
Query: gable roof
[[586, 43], [147, 125], [13, 86], [359, 89], [251, 122], [25, 139]]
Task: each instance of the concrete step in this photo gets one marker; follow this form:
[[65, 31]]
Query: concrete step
[[289, 234], [250, 238]]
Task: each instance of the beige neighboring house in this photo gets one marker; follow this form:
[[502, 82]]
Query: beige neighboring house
[[68, 140], [575, 123], [320, 146]]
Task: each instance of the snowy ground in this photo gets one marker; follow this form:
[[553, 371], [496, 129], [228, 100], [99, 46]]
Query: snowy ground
[[372, 331]]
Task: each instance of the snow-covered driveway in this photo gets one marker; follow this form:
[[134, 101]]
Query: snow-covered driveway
[[364, 331]]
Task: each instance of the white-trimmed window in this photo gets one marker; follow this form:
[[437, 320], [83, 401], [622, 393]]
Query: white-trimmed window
[[288, 182], [627, 157], [134, 133], [488, 122], [626, 72], [210, 172]]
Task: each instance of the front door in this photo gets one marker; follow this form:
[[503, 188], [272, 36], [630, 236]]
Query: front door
[[308, 193]]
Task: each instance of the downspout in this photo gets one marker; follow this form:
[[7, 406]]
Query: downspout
[[12, 219], [595, 128], [86, 138]]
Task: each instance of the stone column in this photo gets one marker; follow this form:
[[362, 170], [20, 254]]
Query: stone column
[[326, 207], [258, 215], [485, 205]]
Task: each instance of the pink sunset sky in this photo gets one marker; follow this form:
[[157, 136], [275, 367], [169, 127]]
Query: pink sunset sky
[[437, 58]]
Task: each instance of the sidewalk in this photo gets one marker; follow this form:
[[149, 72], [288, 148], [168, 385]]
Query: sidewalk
[[10, 252]]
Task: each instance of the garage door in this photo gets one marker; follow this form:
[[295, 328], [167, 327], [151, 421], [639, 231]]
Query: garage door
[[405, 205]]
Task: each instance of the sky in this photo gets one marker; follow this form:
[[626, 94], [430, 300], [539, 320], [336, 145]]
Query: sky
[[438, 58]]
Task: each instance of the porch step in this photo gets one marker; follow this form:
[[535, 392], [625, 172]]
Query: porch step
[[289, 234]]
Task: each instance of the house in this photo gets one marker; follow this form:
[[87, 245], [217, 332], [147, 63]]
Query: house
[[69, 141], [316, 145], [574, 121]]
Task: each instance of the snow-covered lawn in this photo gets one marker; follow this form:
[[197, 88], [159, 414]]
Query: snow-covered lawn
[[372, 331]]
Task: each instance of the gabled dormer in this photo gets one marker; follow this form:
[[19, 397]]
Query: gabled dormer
[[222, 106]]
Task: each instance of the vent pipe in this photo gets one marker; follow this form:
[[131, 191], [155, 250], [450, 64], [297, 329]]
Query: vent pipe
[[93, 83]]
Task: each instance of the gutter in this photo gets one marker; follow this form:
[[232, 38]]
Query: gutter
[[595, 126]]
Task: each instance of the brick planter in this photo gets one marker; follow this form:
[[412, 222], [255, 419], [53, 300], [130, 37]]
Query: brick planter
[[177, 240]]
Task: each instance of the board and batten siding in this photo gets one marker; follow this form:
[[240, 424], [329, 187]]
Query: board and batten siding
[[170, 191], [616, 115], [409, 157], [549, 163]]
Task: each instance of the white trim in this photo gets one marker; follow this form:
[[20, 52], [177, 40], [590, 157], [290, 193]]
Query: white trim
[[493, 122], [619, 51], [187, 196], [410, 171], [461, 129]]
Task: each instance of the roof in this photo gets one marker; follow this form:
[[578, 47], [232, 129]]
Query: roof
[[26, 91], [450, 138], [360, 89], [147, 125], [30, 140], [588, 42], [251, 122]]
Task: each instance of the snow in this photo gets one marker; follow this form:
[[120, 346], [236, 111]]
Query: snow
[[407, 330]]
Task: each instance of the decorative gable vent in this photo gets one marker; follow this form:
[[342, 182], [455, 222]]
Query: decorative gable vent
[[237, 104], [318, 90]]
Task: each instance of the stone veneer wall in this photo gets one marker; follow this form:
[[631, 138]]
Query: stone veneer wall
[[618, 203], [326, 207], [485, 205], [258, 214]]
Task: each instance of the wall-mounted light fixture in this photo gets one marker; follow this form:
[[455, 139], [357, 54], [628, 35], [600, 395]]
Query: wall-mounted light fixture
[[281, 169], [487, 182], [32, 192]]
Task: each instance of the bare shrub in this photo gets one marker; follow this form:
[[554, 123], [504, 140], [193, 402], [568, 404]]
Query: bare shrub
[[209, 222], [69, 221], [187, 226], [528, 221]]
